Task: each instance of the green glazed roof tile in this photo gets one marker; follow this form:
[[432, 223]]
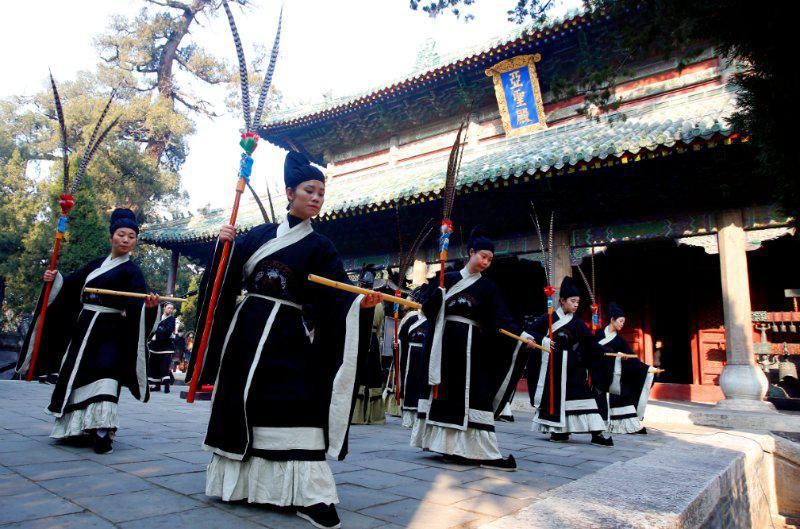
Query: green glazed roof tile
[[646, 127]]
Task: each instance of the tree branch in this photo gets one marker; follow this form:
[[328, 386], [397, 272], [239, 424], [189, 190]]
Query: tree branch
[[171, 3], [199, 106]]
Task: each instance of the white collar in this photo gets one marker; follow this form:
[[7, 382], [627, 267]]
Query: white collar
[[465, 274], [108, 263], [609, 333]]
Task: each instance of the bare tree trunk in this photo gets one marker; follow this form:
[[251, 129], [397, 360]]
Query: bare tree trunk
[[157, 144]]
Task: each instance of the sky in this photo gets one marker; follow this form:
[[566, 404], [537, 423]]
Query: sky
[[338, 47]]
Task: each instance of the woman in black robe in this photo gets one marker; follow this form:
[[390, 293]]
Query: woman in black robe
[[284, 395], [632, 379], [473, 366], [162, 347], [370, 407], [103, 339], [569, 404], [413, 365]]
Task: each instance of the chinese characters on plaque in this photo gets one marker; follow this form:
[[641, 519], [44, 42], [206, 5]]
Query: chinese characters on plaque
[[518, 95]]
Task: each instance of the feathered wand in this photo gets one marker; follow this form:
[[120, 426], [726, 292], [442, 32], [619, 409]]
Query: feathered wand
[[549, 289], [405, 262], [66, 202], [448, 197], [248, 142], [590, 286]]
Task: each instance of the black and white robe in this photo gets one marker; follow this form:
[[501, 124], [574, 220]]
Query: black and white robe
[[474, 367], [576, 407], [630, 387], [161, 347], [283, 395], [413, 365], [104, 345]]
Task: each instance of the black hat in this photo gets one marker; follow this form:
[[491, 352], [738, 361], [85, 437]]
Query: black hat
[[123, 218], [478, 239], [422, 293], [569, 288], [297, 169], [615, 311], [366, 278]]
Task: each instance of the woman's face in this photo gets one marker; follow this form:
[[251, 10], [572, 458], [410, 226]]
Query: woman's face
[[123, 241], [480, 260], [618, 323], [306, 199], [570, 305]]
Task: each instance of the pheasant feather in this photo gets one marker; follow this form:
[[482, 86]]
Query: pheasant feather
[[62, 125], [407, 258], [453, 165], [550, 248], [260, 204], [242, 67], [586, 282], [273, 58], [535, 219], [92, 145], [90, 152]]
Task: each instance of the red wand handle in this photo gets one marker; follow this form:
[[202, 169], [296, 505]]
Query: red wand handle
[[66, 202], [212, 303], [43, 312]]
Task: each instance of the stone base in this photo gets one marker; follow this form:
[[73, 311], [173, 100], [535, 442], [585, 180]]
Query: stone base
[[759, 406], [743, 382]]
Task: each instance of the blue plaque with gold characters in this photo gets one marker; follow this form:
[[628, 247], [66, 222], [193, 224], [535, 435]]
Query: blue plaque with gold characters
[[518, 95]]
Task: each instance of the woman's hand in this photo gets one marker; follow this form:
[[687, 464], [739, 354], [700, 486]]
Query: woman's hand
[[530, 345], [50, 276], [370, 300], [227, 233], [152, 300]]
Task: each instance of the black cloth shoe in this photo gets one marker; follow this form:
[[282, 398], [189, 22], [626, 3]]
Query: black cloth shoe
[[508, 464], [102, 445], [599, 440], [559, 437], [458, 460], [320, 515], [166, 388], [643, 431], [157, 387]]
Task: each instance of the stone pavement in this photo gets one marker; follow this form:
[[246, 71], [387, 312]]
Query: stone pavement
[[155, 477]]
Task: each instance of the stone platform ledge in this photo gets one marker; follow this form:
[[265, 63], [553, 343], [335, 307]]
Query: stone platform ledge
[[700, 478], [677, 412]]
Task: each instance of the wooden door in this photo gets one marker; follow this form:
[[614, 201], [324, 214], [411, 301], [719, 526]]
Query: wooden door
[[711, 355]]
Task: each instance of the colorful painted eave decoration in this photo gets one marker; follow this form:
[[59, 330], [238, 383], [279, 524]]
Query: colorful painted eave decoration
[[479, 58]]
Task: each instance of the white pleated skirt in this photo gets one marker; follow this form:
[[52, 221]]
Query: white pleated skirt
[[281, 483], [79, 422]]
